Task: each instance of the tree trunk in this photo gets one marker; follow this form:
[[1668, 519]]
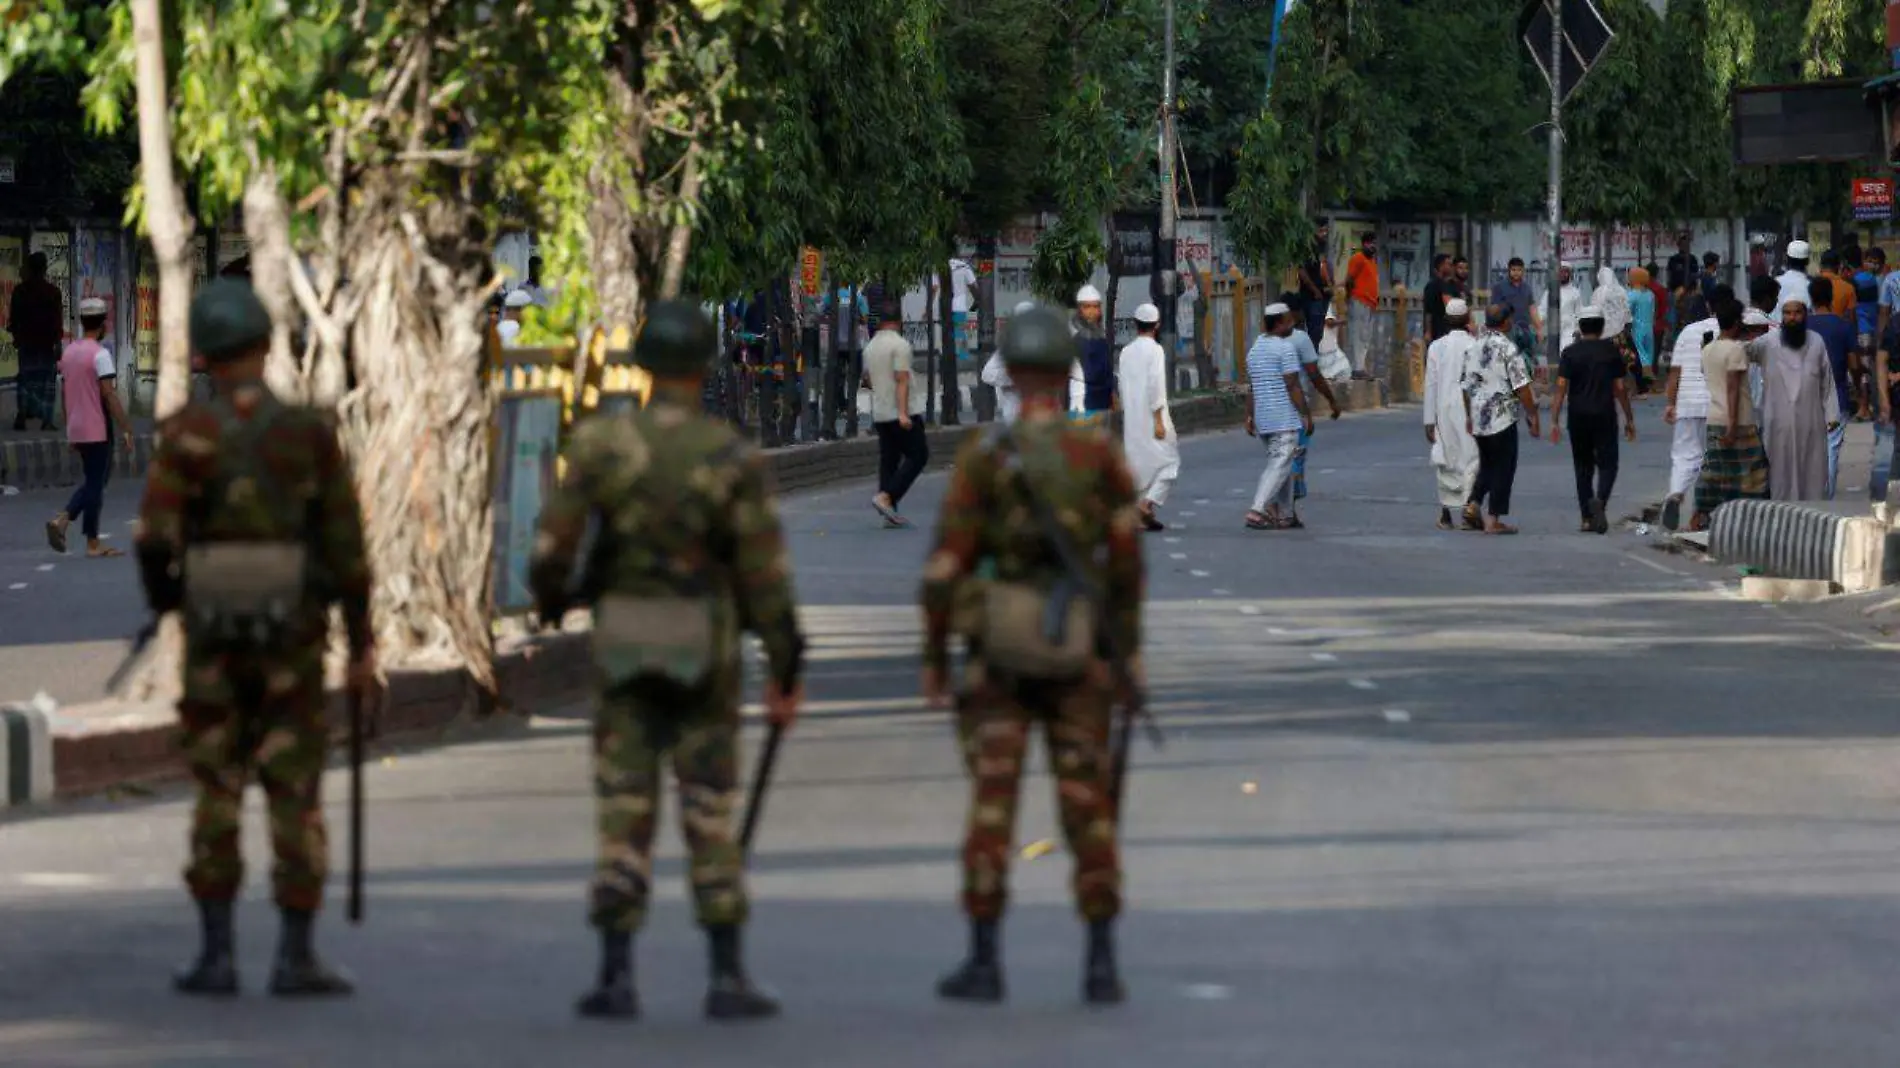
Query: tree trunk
[[166, 220], [949, 412], [610, 234], [267, 225]]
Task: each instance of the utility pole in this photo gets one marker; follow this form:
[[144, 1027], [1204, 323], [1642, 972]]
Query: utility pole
[[1164, 255], [1553, 297]]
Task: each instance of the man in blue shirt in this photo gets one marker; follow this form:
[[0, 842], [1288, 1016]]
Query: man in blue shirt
[[1843, 346], [1277, 416]]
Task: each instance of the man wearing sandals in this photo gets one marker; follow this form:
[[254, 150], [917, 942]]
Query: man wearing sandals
[[93, 411], [1454, 454], [1278, 415], [1497, 393]]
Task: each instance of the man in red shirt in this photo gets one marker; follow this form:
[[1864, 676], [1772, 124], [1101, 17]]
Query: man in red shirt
[[37, 319]]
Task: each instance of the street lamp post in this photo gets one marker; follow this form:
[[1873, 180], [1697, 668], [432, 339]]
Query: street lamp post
[[1164, 255]]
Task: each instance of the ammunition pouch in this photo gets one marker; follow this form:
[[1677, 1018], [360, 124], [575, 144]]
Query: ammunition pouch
[[245, 593], [671, 638], [1038, 634]]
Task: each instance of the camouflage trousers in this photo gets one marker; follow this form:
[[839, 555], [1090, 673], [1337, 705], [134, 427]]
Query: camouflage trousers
[[633, 732], [262, 718], [994, 727]]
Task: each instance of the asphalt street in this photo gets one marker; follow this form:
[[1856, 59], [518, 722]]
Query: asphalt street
[[1428, 799]]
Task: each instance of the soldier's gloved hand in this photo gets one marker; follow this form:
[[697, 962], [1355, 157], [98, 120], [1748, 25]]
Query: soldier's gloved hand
[[936, 690], [781, 705]]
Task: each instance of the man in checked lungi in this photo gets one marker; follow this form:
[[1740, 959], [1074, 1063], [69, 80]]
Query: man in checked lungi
[[1735, 463]]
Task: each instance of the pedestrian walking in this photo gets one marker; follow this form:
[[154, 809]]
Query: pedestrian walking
[[93, 414], [1362, 304], [1497, 394], [1437, 298], [1837, 332], [1735, 465], [1148, 438], [897, 415], [250, 529], [1682, 265], [996, 373], [1799, 405], [1310, 366], [1277, 415], [848, 312], [1886, 442], [689, 555], [1569, 302], [1642, 311], [1590, 377], [36, 317], [1097, 355], [1688, 409], [1613, 301], [1447, 426], [1527, 322], [998, 517]]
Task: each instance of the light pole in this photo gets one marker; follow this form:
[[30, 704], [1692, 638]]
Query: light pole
[[1164, 255], [1553, 296]]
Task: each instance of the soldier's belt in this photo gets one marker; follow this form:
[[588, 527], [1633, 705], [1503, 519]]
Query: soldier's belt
[[671, 637], [246, 579]]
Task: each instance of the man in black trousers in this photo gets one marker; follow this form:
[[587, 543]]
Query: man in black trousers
[[1590, 376]]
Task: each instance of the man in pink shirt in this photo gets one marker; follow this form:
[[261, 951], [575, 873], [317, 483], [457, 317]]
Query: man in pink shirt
[[92, 412]]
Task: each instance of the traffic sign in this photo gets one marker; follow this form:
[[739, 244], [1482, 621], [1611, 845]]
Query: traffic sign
[[1587, 35]]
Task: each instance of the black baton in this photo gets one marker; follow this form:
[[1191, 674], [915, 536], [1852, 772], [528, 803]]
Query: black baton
[[761, 782], [356, 806]]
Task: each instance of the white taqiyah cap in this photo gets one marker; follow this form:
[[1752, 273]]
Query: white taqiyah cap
[[92, 306], [1589, 311], [1088, 295], [1025, 307], [1331, 315], [1798, 250], [1456, 308], [519, 298], [1756, 317], [1148, 313], [1275, 309]]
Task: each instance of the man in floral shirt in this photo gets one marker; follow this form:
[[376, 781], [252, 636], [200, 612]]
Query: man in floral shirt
[[1497, 392]]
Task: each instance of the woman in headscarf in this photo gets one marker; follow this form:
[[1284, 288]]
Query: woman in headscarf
[[1614, 303], [1642, 326]]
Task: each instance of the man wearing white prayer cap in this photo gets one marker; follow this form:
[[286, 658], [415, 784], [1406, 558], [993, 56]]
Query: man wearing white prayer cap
[[1148, 438], [1794, 280], [1590, 376], [510, 326], [1277, 414], [1454, 451]]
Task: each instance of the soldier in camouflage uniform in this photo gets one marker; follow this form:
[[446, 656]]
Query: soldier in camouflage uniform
[[989, 527], [250, 529], [687, 554]]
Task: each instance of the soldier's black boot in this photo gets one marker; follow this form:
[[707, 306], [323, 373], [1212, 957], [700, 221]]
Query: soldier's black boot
[[731, 995], [615, 998], [216, 969], [1101, 981], [298, 973], [980, 978]]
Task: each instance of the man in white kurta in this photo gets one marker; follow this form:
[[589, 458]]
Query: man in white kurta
[[1454, 450], [1148, 438], [1569, 302], [1009, 403], [1799, 406]]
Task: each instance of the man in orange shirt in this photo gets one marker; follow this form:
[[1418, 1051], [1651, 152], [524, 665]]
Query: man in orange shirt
[[1845, 300], [1362, 286]]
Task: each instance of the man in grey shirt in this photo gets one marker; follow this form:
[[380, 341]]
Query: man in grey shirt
[[897, 410], [1515, 293]]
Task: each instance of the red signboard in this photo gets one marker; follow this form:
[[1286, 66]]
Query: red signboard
[[811, 272], [1873, 199]]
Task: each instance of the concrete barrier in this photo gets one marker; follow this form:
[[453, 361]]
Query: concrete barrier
[[26, 755], [1795, 541]]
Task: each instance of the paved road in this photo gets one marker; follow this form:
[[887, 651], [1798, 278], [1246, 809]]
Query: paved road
[[64, 620], [1428, 800]]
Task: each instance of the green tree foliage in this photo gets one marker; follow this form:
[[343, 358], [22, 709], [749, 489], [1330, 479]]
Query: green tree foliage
[[1000, 85]]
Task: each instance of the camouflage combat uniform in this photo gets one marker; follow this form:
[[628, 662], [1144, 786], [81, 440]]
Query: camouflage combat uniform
[[988, 527], [245, 467], [680, 507]]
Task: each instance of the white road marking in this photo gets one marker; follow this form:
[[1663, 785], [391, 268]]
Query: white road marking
[[1324, 658], [58, 880], [1172, 541], [1328, 471], [1207, 992], [1202, 500], [17, 586], [1177, 556], [1200, 574], [1190, 513], [1363, 684], [1249, 610], [1222, 593], [1653, 565], [1397, 715], [47, 567]]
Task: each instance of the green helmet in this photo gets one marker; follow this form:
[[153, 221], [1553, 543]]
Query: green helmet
[[227, 320], [676, 339], [1039, 338]]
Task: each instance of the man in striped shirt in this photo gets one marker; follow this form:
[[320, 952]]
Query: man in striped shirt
[[1277, 414]]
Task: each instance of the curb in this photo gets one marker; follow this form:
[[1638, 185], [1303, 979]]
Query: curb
[[92, 748], [26, 756], [44, 463]]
